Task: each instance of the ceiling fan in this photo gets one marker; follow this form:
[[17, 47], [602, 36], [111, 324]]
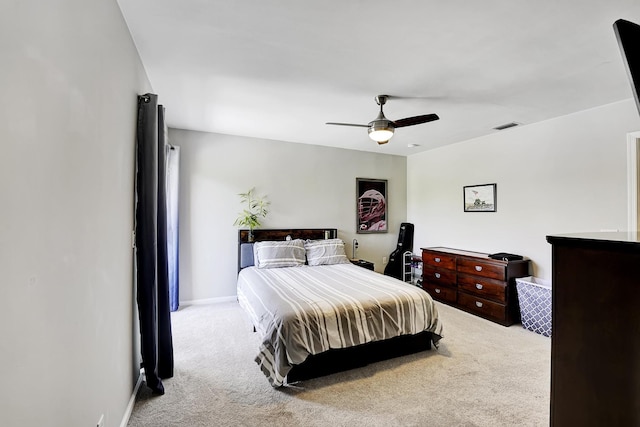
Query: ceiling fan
[[381, 129]]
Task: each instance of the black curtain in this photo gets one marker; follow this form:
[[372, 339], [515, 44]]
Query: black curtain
[[151, 245]]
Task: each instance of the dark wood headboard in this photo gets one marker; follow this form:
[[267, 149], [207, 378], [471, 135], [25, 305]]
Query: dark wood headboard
[[263, 234]]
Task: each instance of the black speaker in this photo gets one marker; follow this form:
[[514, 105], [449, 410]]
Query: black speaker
[[395, 267]]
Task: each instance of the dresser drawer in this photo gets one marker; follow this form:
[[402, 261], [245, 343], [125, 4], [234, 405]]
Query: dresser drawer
[[482, 268], [438, 260], [438, 276], [440, 293], [483, 287], [482, 307]]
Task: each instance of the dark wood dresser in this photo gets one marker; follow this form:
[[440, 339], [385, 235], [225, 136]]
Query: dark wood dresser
[[595, 344], [474, 282]]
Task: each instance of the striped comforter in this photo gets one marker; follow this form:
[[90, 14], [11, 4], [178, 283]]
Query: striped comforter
[[306, 310]]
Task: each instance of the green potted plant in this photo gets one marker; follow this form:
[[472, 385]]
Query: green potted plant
[[253, 213]]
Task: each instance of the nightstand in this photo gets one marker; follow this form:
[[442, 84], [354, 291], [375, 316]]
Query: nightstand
[[362, 263]]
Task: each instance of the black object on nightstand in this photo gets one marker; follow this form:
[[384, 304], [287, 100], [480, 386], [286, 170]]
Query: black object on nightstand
[[363, 263]]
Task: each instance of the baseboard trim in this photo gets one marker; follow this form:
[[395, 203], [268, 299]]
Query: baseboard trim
[[132, 402], [209, 300]]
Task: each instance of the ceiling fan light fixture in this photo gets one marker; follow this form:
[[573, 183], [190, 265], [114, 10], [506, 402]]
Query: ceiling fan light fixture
[[380, 135], [381, 132]]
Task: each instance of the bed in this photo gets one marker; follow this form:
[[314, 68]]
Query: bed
[[316, 312]]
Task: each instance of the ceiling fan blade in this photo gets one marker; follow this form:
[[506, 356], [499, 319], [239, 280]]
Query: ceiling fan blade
[[410, 121], [347, 124], [417, 98]]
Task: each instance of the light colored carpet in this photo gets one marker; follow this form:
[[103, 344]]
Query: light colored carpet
[[483, 374]]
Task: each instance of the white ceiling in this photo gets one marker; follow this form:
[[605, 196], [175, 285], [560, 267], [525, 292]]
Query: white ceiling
[[280, 69]]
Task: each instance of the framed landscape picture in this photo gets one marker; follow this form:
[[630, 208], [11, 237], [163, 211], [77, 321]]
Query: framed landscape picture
[[480, 198], [371, 205]]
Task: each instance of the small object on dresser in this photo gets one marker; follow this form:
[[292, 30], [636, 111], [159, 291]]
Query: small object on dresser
[[504, 256]]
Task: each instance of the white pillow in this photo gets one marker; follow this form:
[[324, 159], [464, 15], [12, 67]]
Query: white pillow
[[325, 252], [270, 254]]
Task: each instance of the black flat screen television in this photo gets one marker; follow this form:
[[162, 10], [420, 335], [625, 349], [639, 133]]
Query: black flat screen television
[[628, 35]]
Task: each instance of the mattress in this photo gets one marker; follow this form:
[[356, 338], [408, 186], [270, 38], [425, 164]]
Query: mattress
[[304, 310]]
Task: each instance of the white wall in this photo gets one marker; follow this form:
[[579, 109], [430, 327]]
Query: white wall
[[308, 187], [69, 79], [559, 176]]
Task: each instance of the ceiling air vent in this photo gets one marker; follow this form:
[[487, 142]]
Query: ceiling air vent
[[507, 126]]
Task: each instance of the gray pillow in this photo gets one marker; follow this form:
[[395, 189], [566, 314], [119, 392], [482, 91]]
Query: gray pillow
[[246, 255], [271, 254], [325, 252]]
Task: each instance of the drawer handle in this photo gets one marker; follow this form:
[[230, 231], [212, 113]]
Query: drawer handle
[[478, 268], [437, 259], [437, 275], [478, 304], [437, 291], [479, 286]]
